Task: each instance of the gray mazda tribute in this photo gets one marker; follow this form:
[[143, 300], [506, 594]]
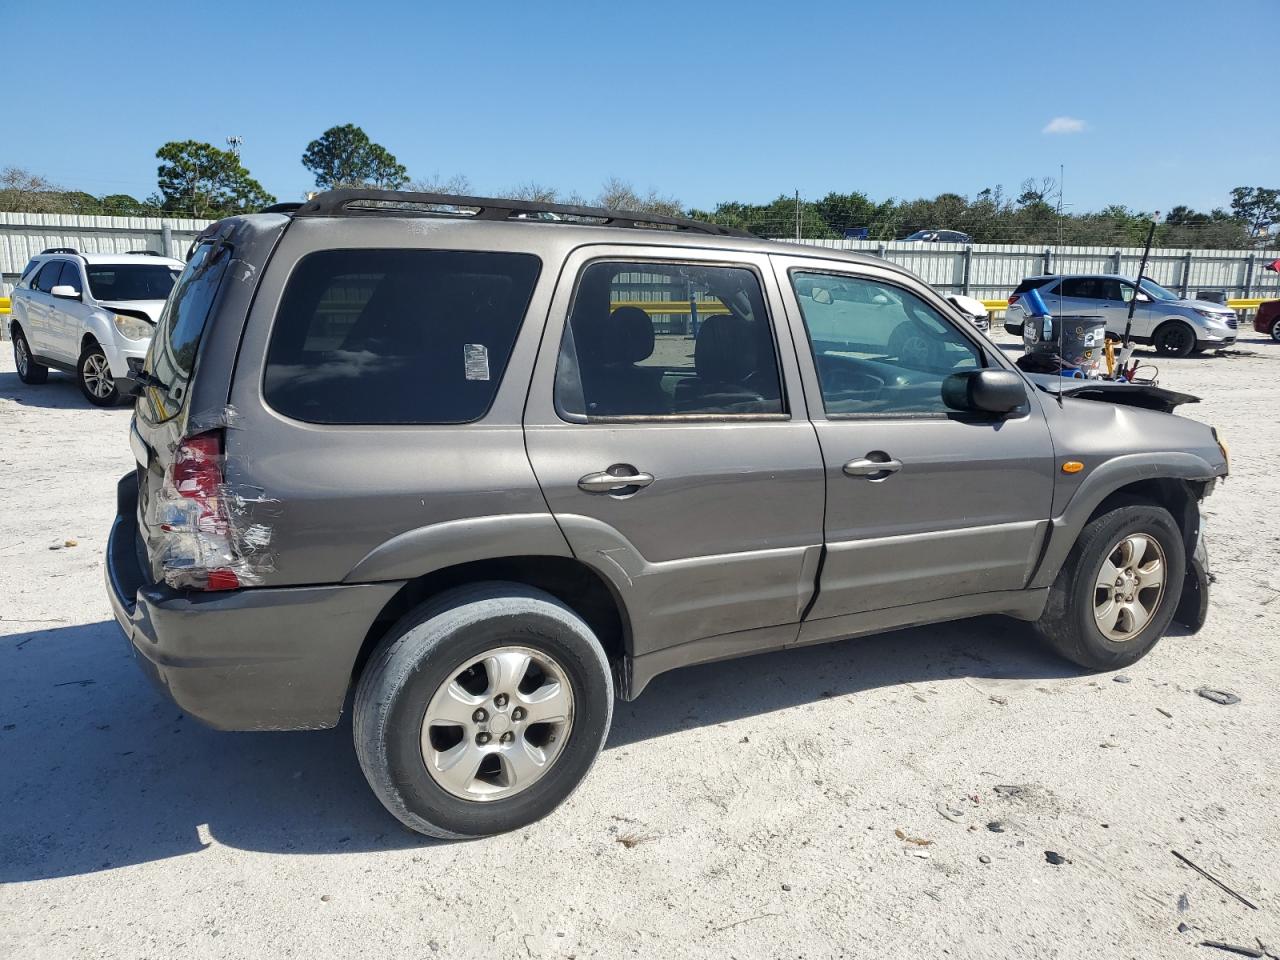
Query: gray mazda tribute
[[485, 465]]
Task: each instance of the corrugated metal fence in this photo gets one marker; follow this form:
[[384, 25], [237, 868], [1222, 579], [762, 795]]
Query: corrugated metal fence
[[984, 271]]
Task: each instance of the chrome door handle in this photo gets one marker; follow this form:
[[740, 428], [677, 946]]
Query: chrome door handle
[[869, 468], [605, 482]]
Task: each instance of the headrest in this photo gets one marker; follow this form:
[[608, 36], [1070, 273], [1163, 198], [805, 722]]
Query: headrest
[[725, 350], [628, 336]]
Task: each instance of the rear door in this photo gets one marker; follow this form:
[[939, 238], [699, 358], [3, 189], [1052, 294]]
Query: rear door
[[668, 432], [962, 501]]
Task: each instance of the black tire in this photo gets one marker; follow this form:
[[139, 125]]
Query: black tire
[[89, 370], [1068, 623], [1174, 339], [427, 648], [28, 370], [1275, 331]]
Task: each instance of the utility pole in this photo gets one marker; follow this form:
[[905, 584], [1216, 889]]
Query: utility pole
[[234, 143], [797, 216]]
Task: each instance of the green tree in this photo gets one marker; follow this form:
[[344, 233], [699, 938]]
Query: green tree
[[345, 157], [200, 180], [1258, 207]]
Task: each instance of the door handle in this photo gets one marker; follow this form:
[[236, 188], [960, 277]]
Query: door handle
[[605, 482], [870, 468]]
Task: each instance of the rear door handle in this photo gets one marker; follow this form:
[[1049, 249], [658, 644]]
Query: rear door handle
[[870, 468], [605, 482]]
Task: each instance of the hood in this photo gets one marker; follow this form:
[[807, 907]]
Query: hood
[[1208, 305], [149, 308]]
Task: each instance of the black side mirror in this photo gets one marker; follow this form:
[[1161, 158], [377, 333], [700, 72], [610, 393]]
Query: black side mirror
[[990, 391]]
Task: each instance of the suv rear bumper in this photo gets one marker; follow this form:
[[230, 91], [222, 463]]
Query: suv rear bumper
[[255, 659]]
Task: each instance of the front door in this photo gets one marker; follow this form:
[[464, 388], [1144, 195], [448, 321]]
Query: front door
[[667, 429], [923, 503]]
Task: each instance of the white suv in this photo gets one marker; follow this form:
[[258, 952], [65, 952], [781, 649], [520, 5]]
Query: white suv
[[91, 314]]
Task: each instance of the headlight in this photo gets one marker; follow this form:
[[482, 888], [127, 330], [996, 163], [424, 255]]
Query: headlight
[[131, 328], [1212, 316]]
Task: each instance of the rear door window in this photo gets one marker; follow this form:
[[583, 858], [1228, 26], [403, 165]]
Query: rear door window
[[172, 356], [396, 336]]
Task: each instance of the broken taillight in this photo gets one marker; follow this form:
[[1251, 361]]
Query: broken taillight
[[199, 549]]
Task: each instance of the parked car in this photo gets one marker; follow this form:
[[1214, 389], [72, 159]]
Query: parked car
[[938, 236], [89, 314], [1267, 320], [971, 308], [447, 463], [1175, 326]]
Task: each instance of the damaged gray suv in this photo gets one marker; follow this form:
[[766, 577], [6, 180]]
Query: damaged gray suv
[[482, 470]]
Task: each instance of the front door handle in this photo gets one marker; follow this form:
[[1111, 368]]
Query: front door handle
[[605, 482], [872, 468]]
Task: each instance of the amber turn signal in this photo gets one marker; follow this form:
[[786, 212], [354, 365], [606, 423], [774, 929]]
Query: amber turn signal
[[1072, 466]]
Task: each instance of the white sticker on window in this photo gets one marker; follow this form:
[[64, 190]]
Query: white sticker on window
[[476, 359]]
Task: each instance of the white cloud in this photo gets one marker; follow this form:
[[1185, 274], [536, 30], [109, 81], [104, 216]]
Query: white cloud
[[1063, 125]]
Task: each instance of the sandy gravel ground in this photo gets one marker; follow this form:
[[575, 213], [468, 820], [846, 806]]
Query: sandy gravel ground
[[750, 809]]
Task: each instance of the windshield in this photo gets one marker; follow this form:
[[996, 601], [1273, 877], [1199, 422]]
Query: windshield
[[1157, 292], [130, 281]]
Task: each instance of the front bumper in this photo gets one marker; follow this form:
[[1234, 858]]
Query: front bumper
[[120, 351], [257, 659]]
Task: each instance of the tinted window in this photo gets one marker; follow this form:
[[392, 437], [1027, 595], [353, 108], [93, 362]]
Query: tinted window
[[1083, 288], [663, 339], [29, 270], [879, 349], [48, 277], [151, 281], [173, 348], [396, 336], [70, 276], [1029, 284]]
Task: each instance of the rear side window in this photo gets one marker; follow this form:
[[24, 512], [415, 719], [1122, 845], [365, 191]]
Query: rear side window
[[172, 356], [1083, 288], [396, 336]]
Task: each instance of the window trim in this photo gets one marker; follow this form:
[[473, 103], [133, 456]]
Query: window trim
[[566, 330], [383, 249], [971, 336]]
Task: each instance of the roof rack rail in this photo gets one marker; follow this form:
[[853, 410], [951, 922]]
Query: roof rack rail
[[60, 250], [144, 253], [397, 203]]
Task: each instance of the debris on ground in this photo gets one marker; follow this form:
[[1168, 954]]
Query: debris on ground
[[1224, 697], [631, 839], [1232, 948], [1165, 712], [996, 826], [1055, 858], [1120, 678], [984, 859], [1011, 791], [71, 543], [1184, 903], [906, 838], [948, 812], [786, 888], [1212, 879]]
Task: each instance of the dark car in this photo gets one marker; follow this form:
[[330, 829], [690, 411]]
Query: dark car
[[488, 471]]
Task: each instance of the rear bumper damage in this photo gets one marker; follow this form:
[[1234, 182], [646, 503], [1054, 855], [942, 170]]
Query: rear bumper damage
[[251, 659]]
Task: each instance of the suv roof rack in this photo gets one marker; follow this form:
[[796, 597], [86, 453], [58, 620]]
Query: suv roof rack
[[394, 203], [60, 250], [144, 253]]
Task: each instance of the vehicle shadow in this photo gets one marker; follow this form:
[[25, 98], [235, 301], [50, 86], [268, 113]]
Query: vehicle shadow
[[100, 771], [60, 392]]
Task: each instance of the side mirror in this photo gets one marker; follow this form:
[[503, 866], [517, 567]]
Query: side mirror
[[1143, 297], [989, 391], [65, 291]]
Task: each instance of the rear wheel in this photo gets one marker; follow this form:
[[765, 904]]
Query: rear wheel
[[1275, 330], [482, 711], [1118, 591], [93, 373], [28, 370], [1175, 339]]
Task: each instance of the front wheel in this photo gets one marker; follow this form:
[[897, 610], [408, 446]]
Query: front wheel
[[1175, 339], [1118, 591], [93, 373], [1275, 331], [482, 711]]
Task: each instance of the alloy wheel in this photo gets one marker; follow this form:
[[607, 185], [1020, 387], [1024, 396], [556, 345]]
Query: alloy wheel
[[20, 355], [497, 724], [1129, 587], [97, 376]]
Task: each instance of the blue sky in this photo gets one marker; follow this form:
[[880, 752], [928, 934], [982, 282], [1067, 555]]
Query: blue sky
[[704, 101]]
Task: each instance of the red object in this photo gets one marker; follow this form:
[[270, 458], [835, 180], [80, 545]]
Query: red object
[[1013, 298], [1273, 266], [197, 476], [223, 580], [1267, 317]]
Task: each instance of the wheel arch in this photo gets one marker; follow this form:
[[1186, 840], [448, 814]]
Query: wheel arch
[[581, 588]]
